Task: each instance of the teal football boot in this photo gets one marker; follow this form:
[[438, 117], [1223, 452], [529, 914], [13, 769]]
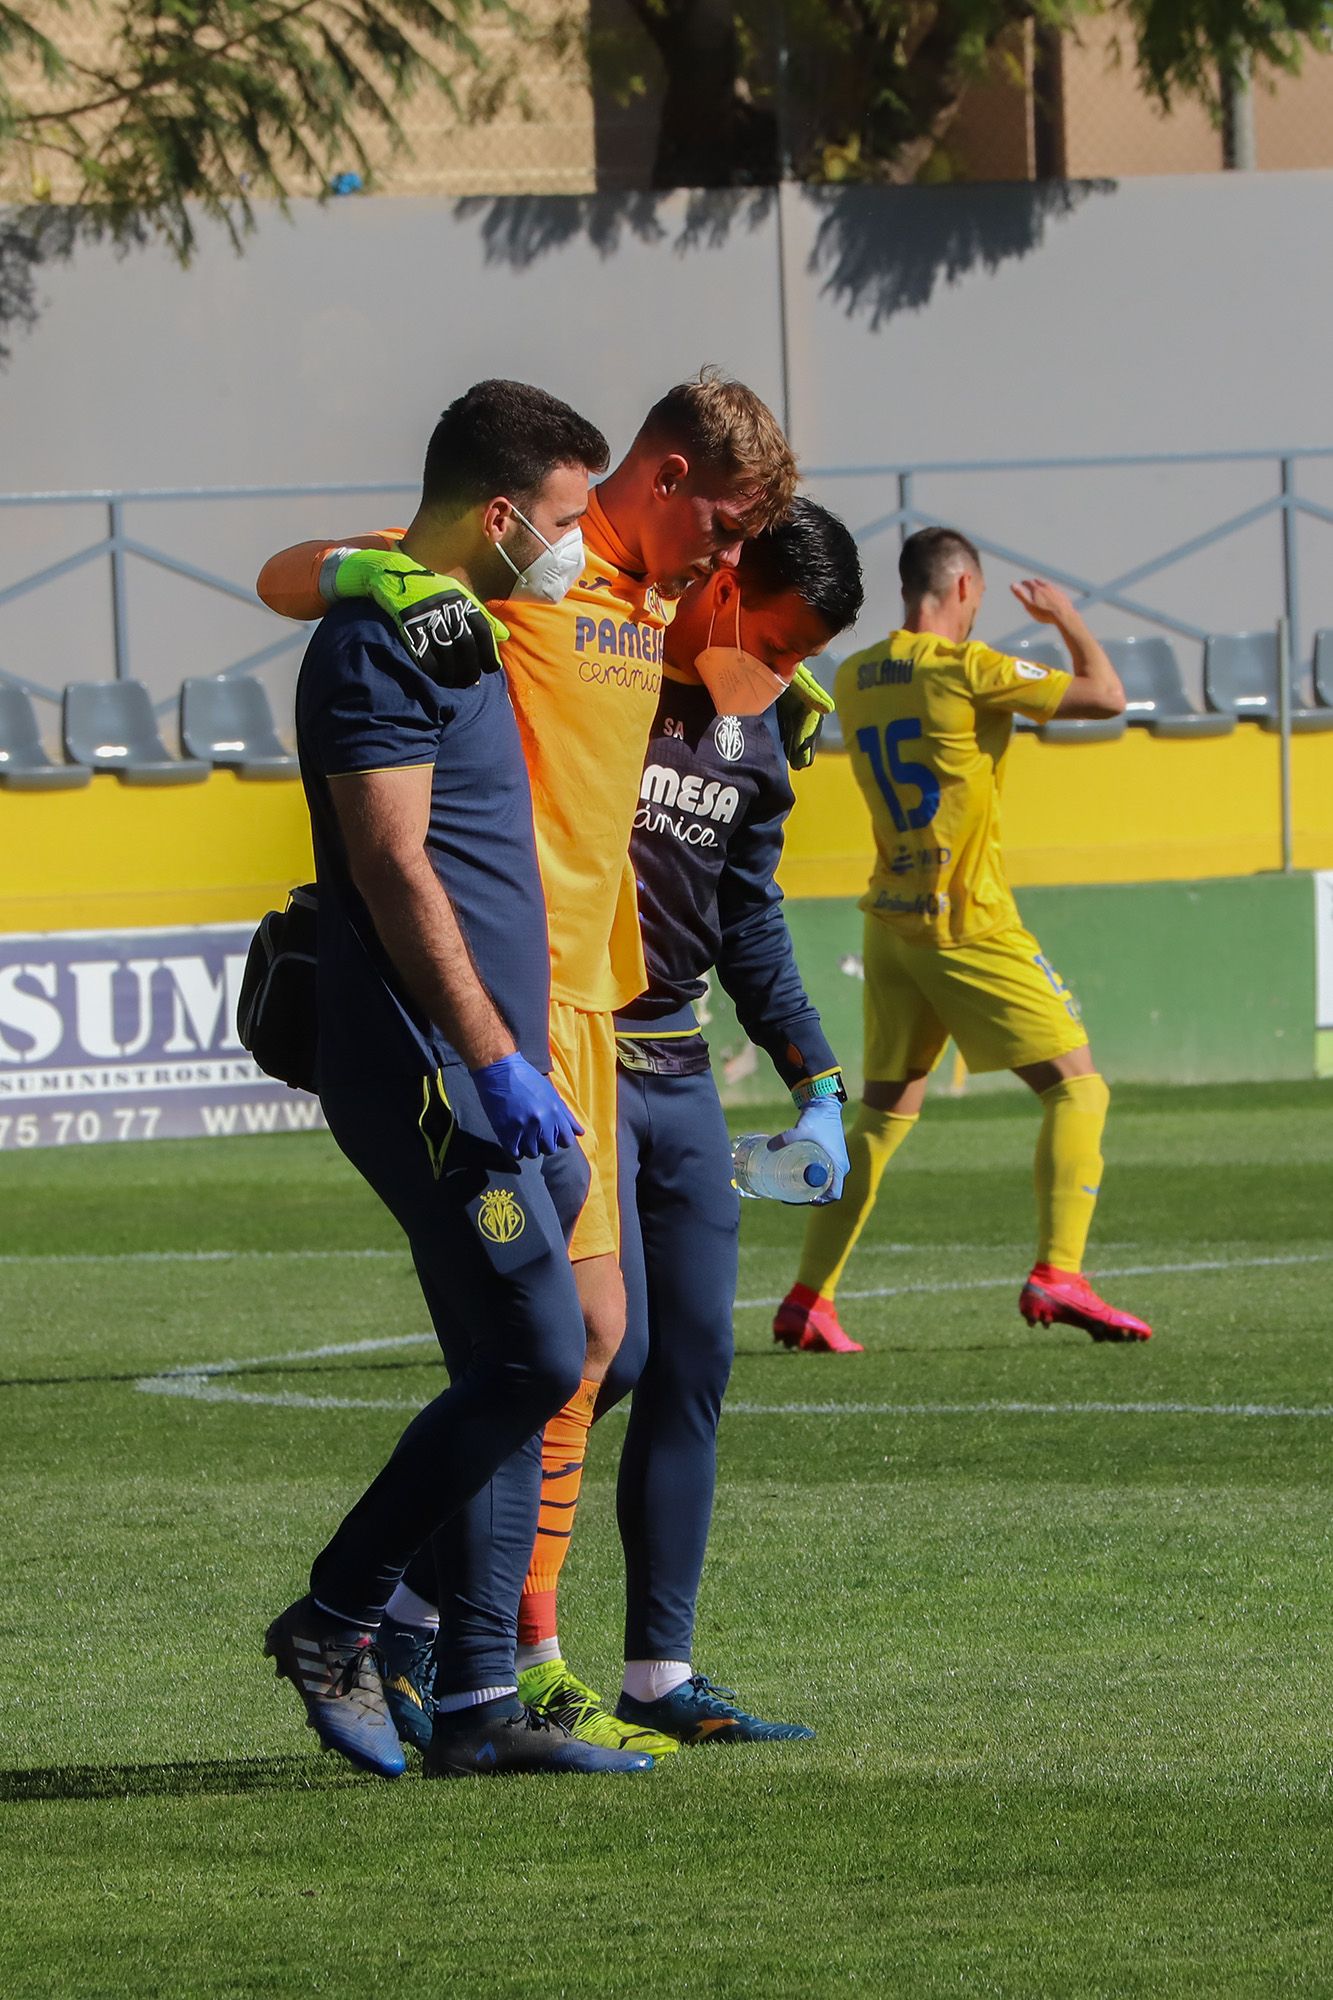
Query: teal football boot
[[698, 1712]]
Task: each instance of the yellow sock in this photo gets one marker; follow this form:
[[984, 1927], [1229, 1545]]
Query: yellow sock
[[831, 1233], [564, 1447], [1068, 1168]]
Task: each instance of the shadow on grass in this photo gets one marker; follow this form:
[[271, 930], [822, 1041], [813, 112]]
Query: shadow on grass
[[186, 1778], [232, 1374]]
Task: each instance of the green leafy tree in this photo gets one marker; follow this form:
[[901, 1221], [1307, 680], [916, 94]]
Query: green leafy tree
[[141, 115], [867, 89]]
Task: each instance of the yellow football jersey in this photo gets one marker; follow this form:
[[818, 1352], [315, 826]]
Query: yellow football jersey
[[926, 724], [584, 677]]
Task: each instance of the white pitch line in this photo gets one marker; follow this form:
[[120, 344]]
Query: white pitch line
[[1106, 1271], [182, 1256], [201, 1388], [1322, 1411], [874, 1292], [279, 1256], [198, 1381]]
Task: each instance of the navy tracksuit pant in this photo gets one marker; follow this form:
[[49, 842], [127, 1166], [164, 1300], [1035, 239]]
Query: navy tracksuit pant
[[679, 1224], [488, 1240]]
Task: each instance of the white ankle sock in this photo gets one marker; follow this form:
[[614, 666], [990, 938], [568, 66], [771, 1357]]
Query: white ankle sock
[[537, 1656], [406, 1608], [649, 1680], [449, 1704]]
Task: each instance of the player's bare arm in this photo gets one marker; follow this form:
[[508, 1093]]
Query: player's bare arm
[[383, 817], [295, 582], [1095, 690]]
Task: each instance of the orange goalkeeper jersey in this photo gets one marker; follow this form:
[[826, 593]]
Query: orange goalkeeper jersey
[[584, 677]]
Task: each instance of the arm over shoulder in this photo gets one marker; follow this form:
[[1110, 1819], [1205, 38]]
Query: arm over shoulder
[[297, 581]]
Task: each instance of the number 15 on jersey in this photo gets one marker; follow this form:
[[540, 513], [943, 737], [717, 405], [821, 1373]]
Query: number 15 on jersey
[[892, 771]]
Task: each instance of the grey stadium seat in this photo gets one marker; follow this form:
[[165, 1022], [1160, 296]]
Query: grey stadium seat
[[1323, 667], [111, 725], [1155, 697], [229, 722], [1240, 679], [24, 764], [1074, 729]]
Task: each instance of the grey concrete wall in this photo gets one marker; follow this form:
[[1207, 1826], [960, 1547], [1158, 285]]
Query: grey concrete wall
[[893, 325]]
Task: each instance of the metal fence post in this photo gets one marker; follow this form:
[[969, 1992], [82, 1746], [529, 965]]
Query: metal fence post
[[905, 503], [1290, 572], [120, 629], [1284, 741], [784, 308]]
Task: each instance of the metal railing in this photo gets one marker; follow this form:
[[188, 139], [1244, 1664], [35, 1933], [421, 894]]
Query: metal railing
[[1285, 505], [117, 544]]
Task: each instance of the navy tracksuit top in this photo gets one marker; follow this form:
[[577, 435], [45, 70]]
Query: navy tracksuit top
[[707, 839]]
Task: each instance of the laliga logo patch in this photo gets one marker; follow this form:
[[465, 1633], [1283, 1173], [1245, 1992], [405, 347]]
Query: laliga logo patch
[[729, 738], [434, 624], [1030, 671], [499, 1216]]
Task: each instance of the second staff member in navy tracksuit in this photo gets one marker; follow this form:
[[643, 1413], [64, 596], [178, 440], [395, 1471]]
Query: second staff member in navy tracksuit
[[708, 837]]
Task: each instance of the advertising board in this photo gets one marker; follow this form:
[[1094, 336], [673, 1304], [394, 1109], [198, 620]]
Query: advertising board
[[118, 1035]]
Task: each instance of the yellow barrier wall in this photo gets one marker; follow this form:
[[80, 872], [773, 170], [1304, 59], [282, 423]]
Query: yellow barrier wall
[[1136, 810], [1140, 809], [119, 856]]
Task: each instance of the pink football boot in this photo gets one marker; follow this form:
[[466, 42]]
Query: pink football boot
[[809, 1323], [1052, 1297]]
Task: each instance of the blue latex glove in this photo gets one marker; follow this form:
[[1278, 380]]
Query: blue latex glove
[[527, 1113], [822, 1122]]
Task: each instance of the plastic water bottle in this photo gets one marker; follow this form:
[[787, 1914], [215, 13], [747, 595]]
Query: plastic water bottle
[[790, 1170]]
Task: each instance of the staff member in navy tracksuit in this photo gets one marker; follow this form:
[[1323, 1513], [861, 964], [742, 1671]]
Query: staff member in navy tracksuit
[[707, 841], [433, 1001]]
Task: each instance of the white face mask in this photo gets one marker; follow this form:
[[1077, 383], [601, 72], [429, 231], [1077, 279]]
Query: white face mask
[[738, 682], [554, 572]]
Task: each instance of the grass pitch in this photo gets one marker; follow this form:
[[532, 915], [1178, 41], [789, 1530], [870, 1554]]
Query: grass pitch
[[1059, 1612]]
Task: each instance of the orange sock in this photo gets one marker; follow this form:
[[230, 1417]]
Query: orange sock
[[564, 1447]]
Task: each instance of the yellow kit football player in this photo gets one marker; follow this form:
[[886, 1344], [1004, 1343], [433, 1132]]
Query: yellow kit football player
[[927, 716]]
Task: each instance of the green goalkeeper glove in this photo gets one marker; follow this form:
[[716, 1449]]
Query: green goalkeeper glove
[[429, 610], [801, 712], [392, 580]]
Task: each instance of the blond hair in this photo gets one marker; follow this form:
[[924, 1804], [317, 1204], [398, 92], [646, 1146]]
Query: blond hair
[[722, 427]]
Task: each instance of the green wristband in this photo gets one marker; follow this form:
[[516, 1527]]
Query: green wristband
[[811, 1088]]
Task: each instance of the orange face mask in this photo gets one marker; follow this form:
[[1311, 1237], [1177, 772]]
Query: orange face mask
[[738, 682]]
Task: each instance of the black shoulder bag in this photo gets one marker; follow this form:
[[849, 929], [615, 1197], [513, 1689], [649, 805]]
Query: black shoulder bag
[[276, 1011]]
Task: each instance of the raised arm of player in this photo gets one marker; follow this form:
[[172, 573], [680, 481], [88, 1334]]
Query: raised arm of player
[[1095, 690], [297, 581]]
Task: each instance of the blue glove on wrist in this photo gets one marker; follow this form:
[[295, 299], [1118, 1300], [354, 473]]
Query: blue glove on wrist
[[527, 1113], [822, 1122]]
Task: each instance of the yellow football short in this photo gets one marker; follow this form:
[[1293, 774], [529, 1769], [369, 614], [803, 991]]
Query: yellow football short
[[583, 1070], [1003, 1003]]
